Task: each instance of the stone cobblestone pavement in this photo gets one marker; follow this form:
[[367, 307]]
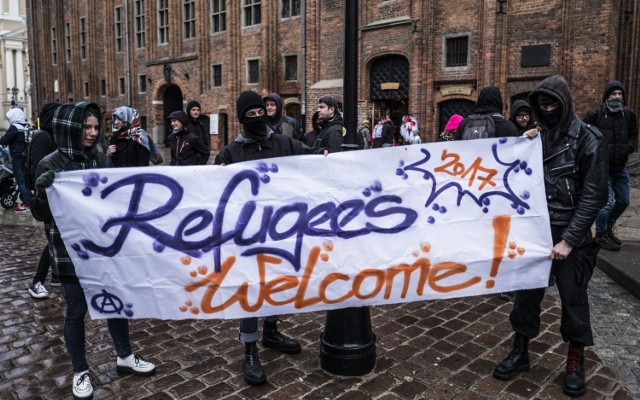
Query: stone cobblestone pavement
[[429, 350]]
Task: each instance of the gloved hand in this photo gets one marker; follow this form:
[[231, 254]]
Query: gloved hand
[[45, 180], [531, 133]]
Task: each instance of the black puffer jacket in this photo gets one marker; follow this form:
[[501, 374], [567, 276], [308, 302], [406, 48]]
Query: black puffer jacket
[[575, 165], [326, 134], [619, 128]]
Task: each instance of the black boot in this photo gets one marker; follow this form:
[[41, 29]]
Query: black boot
[[574, 384], [517, 360], [253, 373], [275, 340], [612, 236]]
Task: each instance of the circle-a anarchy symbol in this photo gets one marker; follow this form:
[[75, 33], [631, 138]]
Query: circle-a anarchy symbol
[[108, 303]]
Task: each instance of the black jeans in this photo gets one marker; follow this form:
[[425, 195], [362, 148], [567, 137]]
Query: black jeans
[[43, 266], [572, 277]]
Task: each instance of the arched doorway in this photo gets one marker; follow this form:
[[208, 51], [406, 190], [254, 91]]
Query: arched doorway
[[389, 87], [448, 108], [172, 101]]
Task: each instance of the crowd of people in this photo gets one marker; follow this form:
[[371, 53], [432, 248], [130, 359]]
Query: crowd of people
[[586, 182]]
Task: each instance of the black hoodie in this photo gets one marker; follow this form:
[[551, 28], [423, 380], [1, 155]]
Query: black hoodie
[[490, 102]]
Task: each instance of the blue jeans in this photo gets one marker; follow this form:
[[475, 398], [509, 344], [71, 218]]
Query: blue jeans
[[74, 335], [619, 192], [25, 193], [249, 328]]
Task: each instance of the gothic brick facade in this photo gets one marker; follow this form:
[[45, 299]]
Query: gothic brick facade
[[402, 55]]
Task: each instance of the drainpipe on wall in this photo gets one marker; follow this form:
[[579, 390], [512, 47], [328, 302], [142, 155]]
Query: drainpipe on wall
[[303, 88], [35, 105], [126, 51]]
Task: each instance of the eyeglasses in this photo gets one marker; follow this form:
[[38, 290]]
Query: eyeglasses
[[523, 116]]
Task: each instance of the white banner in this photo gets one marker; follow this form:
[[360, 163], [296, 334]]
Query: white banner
[[308, 233]]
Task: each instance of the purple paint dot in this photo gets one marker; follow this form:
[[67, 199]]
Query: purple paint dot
[[104, 180], [405, 176], [262, 167], [75, 246], [443, 210], [520, 210], [366, 192], [265, 179], [485, 210], [503, 140], [526, 194], [402, 163], [377, 186], [528, 171], [431, 220], [435, 207], [87, 191], [92, 179], [516, 169], [83, 255], [523, 165], [399, 171], [128, 313], [514, 205], [486, 201], [158, 247], [274, 168], [129, 305]]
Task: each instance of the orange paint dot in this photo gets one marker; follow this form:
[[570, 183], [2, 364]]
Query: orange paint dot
[[194, 310], [202, 270], [328, 246], [185, 260], [188, 303], [490, 284], [324, 257], [520, 251], [183, 309], [511, 255], [193, 274], [512, 245], [425, 247], [415, 254]]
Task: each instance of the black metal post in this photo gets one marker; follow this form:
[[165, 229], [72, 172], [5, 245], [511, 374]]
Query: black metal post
[[348, 345]]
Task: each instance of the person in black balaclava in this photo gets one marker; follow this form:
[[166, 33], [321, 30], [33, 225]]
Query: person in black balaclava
[[256, 142], [619, 125], [575, 175]]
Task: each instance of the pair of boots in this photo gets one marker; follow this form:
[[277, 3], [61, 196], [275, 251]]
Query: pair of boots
[[608, 240], [272, 338], [518, 360]]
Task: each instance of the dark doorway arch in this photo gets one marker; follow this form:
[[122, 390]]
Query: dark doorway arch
[[448, 108], [389, 88], [172, 101]]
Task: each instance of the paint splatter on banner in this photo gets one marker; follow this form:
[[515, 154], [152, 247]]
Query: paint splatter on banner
[[308, 233]]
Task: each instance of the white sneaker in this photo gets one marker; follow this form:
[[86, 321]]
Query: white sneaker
[[136, 365], [37, 291], [82, 388]]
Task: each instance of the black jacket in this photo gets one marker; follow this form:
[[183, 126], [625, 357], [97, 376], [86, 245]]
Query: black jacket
[[490, 102], [326, 134], [187, 148], [575, 165], [283, 124], [620, 129]]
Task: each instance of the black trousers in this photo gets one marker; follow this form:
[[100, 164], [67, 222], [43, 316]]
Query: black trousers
[[572, 277], [43, 266]]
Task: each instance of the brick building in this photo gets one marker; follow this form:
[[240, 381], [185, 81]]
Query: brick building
[[427, 58]]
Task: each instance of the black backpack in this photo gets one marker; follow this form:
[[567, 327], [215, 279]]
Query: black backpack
[[480, 126], [28, 163]]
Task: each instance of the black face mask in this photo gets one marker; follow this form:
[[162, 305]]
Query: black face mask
[[552, 117], [255, 126]]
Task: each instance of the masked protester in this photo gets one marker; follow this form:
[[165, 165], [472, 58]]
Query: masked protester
[[619, 124], [257, 141], [575, 174]]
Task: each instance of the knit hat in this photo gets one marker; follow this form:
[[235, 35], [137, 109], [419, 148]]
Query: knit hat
[[192, 104], [248, 100], [453, 122], [329, 101]]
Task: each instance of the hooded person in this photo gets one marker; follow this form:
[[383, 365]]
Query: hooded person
[[575, 176], [257, 141], [521, 116], [328, 128], [279, 123], [186, 146], [15, 138], [78, 133], [199, 123], [130, 144], [619, 125], [490, 104]]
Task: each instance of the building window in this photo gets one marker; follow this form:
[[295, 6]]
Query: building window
[[253, 71], [142, 83], [103, 87], [54, 47], [83, 39], [251, 11], [290, 8], [67, 42], [163, 21], [188, 7], [218, 16], [118, 28], [85, 89], [139, 23], [121, 87], [457, 49], [290, 68], [216, 75]]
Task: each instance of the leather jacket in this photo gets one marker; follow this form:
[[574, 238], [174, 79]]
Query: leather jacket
[[576, 172]]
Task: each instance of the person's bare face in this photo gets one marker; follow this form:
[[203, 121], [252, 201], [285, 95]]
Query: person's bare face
[[91, 129], [272, 108], [325, 112]]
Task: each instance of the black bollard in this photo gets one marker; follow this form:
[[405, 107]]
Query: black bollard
[[348, 345]]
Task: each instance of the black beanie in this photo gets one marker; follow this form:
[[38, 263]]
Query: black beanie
[[192, 104], [545, 99], [248, 100], [46, 116]]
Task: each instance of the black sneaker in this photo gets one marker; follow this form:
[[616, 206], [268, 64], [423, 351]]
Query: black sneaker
[[611, 236], [605, 243]]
